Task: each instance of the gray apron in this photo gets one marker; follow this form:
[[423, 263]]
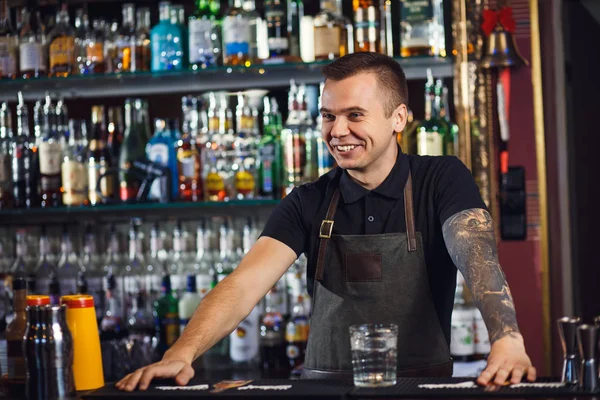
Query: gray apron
[[373, 279]]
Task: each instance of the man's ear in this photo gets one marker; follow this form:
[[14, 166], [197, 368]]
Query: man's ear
[[400, 116]]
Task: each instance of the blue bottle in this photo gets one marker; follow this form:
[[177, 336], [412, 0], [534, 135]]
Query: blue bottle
[[161, 149], [167, 42]]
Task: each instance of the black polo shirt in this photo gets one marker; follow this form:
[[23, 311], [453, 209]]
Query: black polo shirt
[[442, 187]]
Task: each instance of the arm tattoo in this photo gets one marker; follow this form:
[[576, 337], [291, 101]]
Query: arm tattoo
[[469, 237]]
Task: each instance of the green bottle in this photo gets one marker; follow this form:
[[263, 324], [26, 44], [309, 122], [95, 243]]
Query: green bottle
[[451, 137], [431, 132], [204, 27], [269, 170], [166, 317]]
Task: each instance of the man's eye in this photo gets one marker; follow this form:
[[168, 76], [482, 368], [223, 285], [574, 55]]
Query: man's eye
[[328, 116], [355, 115]]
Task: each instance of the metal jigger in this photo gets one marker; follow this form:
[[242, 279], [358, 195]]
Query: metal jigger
[[567, 329], [587, 336]]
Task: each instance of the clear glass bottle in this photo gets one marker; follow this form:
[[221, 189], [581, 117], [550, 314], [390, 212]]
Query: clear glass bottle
[[178, 19], [156, 262], [202, 263], [61, 50], [178, 261], [333, 32], [112, 269], [46, 271], [295, 13], [32, 60], [21, 268], [74, 172], [50, 156], [99, 160], [135, 269], [166, 42], [422, 28], [188, 154], [293, 143], [82, 34], [6, 137], [126, 40], [9, 44], [204, 38], [141, 61], [237, 35], [278, 39]]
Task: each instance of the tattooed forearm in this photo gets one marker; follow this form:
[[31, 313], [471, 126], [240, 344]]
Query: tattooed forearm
[[469, 237]]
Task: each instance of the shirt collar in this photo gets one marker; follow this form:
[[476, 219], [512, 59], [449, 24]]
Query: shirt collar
[[392, 186]]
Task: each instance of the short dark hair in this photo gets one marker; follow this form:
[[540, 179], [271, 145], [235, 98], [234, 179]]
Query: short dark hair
[[389, 73]]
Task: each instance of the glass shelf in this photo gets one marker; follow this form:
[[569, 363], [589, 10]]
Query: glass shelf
[[124, 212], [218, 78]]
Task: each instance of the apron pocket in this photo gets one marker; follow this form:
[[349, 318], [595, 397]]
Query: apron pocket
[[362, 267]]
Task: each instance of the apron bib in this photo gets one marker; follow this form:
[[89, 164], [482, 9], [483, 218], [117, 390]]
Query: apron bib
[[381, 278]]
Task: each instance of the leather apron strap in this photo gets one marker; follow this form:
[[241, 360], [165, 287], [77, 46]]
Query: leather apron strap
[[327, 224]]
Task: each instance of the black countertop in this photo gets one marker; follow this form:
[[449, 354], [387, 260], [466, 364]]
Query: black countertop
[[406, 388]]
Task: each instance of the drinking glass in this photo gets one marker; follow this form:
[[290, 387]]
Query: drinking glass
[[374, 354]]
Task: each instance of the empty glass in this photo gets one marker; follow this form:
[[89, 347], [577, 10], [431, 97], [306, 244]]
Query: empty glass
[[374, 354]]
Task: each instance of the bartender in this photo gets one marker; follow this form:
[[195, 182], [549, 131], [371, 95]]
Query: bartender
[[383, 232]]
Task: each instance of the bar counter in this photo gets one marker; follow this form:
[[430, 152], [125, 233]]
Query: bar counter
[[406, 388]]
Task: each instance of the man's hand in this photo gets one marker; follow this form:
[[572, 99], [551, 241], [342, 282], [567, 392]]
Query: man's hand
[[181, 370], [507, 359]]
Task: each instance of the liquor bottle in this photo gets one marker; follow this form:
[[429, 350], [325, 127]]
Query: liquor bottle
[[237, 35], [293, 143], [9, 44], [6, 136], [422, 28], [141, 332], [278, 38], [273, 356], [325, 161], [166, 41], [161, 150], [17, 370], [83, 36], [165, 318], [203, 261], [74, 173], [133, 148], [111, 322], [188, 302], [430, 134], [70, 271], [32, 60], [21, 268], [204, 44], [178, 262], [135, 268], [296, 334], [269, 170], [366, 26], [333, 32], [177, 13], [141, 61], [99, 161], [188, 155], [61, 121], [25, 161], [115, 131], [50, 156], [295, 13], [244, 341], [126, 40], [311, 169], [462, 344], [113, 269], [61, 48], [451, 137], [156, 263], [95, 48], [111, 35], [46, 272]]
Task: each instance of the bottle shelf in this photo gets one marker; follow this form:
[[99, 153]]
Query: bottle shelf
[[147, 211], [218, 78]]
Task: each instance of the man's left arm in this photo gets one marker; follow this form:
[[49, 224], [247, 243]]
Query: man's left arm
[[470, 240]]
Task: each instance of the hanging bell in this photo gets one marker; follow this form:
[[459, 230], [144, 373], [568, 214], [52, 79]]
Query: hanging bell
[[501, 51]]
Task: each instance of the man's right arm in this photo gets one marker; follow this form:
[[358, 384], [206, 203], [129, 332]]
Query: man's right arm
[[219, 313]]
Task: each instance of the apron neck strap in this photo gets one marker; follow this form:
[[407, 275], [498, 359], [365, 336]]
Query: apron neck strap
[[327, 224]]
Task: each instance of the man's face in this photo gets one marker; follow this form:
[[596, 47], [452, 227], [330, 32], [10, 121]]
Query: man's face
[[357, 131]]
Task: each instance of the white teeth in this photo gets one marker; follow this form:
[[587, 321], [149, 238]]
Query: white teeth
[[346, 148]]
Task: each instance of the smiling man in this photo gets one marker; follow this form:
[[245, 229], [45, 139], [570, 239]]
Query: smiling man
[[383, 232]]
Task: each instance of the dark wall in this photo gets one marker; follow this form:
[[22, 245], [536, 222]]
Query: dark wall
[[581, 30]]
